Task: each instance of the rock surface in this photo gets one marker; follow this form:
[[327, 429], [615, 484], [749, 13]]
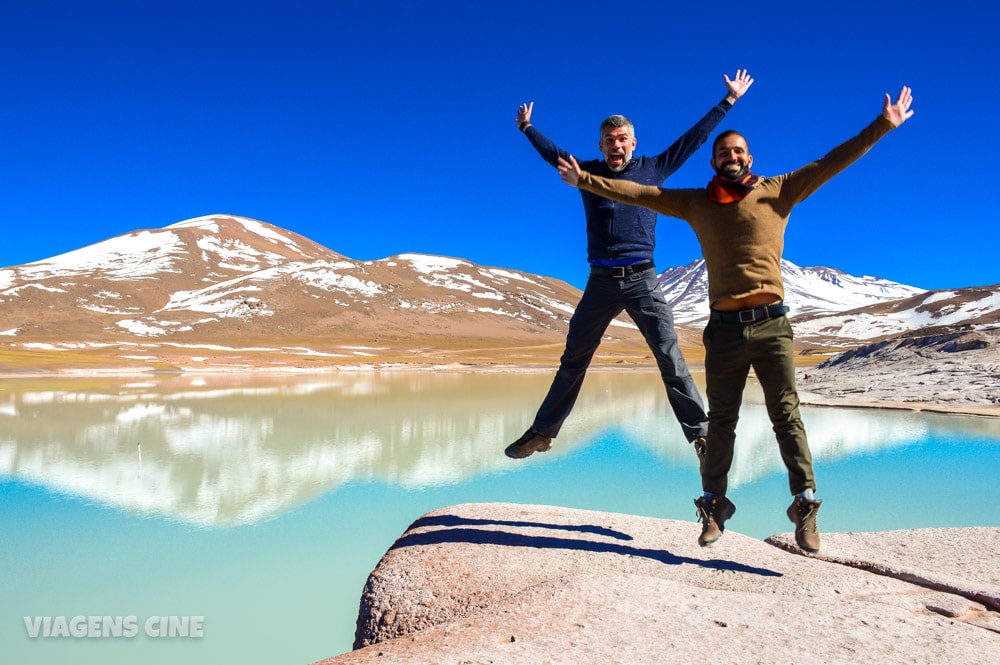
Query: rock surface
[[951, 372], [509, 583]]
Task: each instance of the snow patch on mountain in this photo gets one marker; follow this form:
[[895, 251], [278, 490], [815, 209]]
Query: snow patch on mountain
[[975, 308], [820, 289], [140, 328], [325, 276], [235, 255], [143, 254], [507, 274], [430, 265], [210, 223]]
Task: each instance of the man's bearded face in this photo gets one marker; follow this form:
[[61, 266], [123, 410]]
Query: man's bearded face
[[731, 158], [617, 145]]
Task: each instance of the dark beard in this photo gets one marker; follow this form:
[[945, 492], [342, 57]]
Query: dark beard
[[735, 178]]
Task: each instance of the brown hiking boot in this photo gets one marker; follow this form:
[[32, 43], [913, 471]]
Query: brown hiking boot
[[713, 514], [700, 448], [803, 513], [530, 442]]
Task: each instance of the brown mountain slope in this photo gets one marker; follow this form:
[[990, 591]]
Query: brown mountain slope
[[223, 291]]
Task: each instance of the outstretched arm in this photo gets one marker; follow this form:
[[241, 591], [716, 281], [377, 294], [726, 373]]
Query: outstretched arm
[[665, 201], [549, 151], [899, 112], [673, 157], [802, 182], [738, 86]]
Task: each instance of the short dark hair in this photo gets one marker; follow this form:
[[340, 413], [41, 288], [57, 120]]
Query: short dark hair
[[725, 135], [616, 121]]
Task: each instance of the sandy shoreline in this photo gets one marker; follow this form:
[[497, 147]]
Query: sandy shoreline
[[924, 407], [807, 398]]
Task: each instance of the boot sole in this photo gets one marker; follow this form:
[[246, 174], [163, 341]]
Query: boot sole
[[802, 547], [706, 543], [514, 451]]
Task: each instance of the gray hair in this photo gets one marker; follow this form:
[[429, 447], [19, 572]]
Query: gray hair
[[616, 121]]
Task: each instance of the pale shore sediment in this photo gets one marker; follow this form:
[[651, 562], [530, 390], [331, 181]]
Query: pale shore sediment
[[930, 403]]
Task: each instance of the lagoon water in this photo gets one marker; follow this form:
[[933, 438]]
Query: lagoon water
[[236, 518]]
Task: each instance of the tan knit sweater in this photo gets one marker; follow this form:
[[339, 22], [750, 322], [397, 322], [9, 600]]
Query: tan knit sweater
[[742, 242]]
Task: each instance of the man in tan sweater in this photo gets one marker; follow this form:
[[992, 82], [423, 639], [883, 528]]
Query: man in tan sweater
[[740, 221]]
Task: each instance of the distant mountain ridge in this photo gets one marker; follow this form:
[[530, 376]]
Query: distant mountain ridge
[[227, 281], [221, 282], [831, 308], [807, 290]]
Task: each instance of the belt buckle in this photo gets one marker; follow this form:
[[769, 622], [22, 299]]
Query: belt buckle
[[618, 272], [751, 312]]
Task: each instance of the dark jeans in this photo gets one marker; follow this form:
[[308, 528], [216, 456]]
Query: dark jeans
[[603, 299], [731, 349]]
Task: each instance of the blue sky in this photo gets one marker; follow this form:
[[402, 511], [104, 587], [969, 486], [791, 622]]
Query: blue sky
[[378, 128]]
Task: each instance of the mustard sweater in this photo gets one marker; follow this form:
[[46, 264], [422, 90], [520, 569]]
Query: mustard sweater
[[742, 242]]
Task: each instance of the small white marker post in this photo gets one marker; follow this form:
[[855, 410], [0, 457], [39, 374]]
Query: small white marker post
[[138, 449]]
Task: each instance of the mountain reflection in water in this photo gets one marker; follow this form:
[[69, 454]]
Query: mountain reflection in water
[[263, 503], [228, 450]]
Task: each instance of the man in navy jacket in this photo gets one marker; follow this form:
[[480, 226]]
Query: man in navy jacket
[[620, 242]]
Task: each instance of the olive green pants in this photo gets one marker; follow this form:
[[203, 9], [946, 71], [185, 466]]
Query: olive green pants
[[731, 350]]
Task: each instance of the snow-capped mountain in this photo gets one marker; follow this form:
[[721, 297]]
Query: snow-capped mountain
[[833, 309], [807, 290], [222, 284], [929, 312], [225, 280]]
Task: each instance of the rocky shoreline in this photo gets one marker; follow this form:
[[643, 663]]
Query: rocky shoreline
[[950, 372]]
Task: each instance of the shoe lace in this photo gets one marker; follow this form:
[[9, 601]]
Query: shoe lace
[[807, 522], [702, 513]]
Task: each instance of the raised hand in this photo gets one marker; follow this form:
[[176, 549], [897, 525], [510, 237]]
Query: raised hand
[[899, 112], [524, 113], [739, 85]]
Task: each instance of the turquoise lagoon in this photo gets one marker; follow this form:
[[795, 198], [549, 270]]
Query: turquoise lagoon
[[207, 519]]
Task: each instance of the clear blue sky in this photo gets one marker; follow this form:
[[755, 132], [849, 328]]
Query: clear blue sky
[[377, 128]]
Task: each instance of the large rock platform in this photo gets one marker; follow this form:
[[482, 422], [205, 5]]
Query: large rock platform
[[525, 584]]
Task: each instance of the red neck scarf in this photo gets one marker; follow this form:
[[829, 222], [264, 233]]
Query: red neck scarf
[[721, 190]]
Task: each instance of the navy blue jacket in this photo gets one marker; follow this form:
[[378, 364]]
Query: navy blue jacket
[[616, 232]]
